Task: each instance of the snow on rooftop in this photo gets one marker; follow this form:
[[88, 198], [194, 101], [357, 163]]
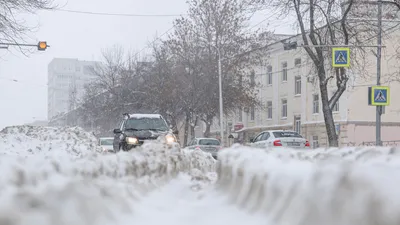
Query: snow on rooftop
[[144, 115]]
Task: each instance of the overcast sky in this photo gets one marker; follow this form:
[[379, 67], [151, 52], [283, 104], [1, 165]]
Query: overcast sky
[[23, 80]]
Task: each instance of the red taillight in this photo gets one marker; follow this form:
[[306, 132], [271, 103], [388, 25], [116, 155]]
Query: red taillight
[[277, 143], [307, 144], [197, 148]]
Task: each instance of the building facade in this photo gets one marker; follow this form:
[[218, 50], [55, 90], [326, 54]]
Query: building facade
[[66, 81], [289, 91]]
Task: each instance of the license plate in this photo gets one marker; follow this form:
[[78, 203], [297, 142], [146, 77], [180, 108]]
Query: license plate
[[293, 144]]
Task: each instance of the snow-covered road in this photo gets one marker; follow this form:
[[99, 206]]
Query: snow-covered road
[[57, 176], [175, 203]]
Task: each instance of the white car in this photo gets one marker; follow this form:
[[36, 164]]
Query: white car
[[106, 144], [210, 145], [279, 138]]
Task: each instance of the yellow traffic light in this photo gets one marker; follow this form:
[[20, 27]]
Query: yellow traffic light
[[42, 45]]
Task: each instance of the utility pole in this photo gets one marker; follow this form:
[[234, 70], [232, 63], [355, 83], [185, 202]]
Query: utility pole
[[378, 74]]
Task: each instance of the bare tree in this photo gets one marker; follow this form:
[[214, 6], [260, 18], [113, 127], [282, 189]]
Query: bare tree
[[11, 28], [213, 29], [114, 91]]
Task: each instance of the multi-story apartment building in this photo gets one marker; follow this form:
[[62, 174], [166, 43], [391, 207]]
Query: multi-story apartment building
[[290, 94], [66, 80]]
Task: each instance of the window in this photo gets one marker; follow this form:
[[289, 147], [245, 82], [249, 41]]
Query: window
[[284, 108], [265, 136], [106, 141], [269, 110], [258, 138], [297, 124], [252, 78], [269, 75], [209, 142], [297, 85], [282, 134], [146, 124], [297, 62], [240, 117], [315, 143], [284, 71], [316, 103], [252, 113]]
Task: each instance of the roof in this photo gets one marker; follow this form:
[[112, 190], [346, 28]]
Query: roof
[[207, 139], [106, 138], [144, 115]]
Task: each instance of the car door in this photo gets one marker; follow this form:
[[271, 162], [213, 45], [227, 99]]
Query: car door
[[117, 140], [257, 139], [263, 143]]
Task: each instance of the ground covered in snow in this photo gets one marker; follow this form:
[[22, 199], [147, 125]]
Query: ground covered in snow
[[57, 176]]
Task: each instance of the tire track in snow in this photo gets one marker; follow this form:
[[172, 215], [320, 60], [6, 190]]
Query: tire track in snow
[[177, 204]]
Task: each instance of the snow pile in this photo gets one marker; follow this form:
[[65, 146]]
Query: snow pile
[[29, 140], [334, 186], [93, 188]]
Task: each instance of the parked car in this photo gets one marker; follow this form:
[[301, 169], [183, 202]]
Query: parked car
[[135, 129], [279, 138], [106, 143], [210, 145]]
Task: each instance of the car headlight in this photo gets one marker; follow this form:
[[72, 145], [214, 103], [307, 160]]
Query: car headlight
[[132, 140], [170, 139]]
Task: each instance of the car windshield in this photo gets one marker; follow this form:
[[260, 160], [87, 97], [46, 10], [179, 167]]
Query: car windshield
[[208, 142], [283, 134], [106, 142], [146, 124]]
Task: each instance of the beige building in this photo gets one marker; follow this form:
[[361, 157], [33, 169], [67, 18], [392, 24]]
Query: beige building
[[290, 92]]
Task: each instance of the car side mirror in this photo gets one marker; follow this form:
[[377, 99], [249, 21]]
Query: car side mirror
[[251, 140], [117, 131], [175, 132]]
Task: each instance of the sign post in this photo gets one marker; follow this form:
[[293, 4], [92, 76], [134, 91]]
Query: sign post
[[340, 57]]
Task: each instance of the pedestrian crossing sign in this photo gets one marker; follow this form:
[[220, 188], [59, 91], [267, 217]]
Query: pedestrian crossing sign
[[379, 96], [340, 57]]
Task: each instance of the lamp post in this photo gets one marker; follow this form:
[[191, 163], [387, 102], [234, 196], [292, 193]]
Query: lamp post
[[221, 113], [221, 109]]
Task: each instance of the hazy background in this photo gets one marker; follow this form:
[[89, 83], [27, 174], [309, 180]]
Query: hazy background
[[23, 80]]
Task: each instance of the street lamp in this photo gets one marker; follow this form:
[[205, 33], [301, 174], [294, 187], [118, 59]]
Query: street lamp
[[221, 113]]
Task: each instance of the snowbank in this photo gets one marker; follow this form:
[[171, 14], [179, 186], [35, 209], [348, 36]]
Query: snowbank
[[66, 181], [314, 187], [30, 140]]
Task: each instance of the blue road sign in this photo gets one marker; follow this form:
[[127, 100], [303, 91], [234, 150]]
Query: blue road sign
[[379, 96], [340, 57]]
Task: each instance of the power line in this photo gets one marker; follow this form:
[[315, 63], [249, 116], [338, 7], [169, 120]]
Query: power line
[[262, 21], [158, 38], [166, 32], [117, 14]]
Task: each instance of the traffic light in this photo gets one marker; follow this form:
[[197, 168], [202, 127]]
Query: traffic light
[[42, 45]]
